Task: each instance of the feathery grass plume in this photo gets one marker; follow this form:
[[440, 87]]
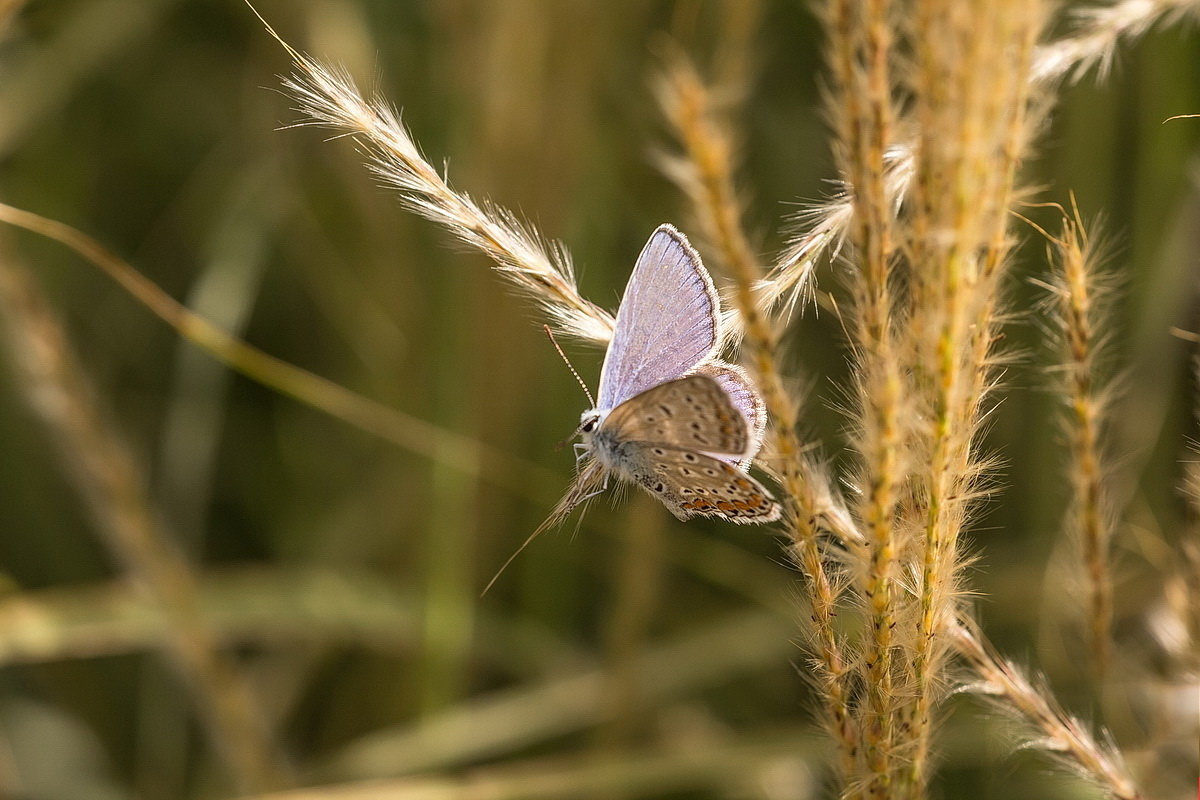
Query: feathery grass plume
[[1079, 309], [113, 490], [862, 111], [1056, 733], [1093, 41], [329, 98], [968, 85], [819, 230], [1096, 32], [705, 172]]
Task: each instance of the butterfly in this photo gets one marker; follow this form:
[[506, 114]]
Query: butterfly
[[671, 416]]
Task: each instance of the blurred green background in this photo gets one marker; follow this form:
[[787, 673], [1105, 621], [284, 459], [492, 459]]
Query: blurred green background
[[345, 571]]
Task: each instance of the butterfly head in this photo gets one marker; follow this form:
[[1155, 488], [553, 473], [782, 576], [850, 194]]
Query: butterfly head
[[589, 421]]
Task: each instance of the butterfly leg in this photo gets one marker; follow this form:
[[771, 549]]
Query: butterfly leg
[[603, 488], [581, 452]]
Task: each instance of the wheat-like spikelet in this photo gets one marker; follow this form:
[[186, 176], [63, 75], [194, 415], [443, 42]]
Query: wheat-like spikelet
[[820, 230], [862, 113], [1056, 733], [821, 227], [1079, 304], [968, 84], [974, 136], [705, 174], [1097, 31], [329, 98], [112, 488]]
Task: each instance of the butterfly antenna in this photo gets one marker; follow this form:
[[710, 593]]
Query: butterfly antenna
[[570, 366]]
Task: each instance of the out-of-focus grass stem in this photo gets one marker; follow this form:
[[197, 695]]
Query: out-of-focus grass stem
[[638, 576], [8, 10], [661, 771], [465, 454], [112, 487], [515, 718], [452, 513]]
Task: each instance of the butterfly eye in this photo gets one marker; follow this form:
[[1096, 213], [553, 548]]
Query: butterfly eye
[[589, 426]]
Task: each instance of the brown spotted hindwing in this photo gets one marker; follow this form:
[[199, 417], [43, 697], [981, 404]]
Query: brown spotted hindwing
[[684, 441]]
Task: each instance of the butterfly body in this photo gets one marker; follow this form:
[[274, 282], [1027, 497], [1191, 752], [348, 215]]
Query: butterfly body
[[671, 417]]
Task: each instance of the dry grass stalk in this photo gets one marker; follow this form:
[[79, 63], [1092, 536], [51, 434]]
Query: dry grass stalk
[[822, 227], [112, 487], [862, 113], [1057, 733], [1098, 31], [968, 88], [705, 174], [819, 231], [1079, 306], [330, 98]]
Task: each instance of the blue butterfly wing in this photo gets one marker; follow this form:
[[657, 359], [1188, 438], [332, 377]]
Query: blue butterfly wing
[[667, 322]]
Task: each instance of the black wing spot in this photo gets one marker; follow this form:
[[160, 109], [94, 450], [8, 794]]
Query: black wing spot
[[658, 451], [690, 458]]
